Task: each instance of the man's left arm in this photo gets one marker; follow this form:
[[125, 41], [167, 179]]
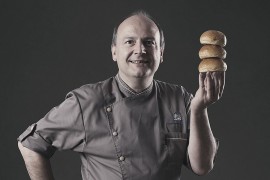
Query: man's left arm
[[202, 144]]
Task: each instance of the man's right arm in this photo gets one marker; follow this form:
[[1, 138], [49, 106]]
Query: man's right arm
[[38, 167]]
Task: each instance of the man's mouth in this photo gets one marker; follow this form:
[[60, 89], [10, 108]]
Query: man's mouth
[[138, 61]]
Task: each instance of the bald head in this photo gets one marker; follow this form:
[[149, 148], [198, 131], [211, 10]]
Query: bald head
[[141, 16]]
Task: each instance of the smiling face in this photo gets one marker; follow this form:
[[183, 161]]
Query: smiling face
[[137, 49]]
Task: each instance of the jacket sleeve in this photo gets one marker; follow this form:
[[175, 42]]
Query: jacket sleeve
[[60, 129]]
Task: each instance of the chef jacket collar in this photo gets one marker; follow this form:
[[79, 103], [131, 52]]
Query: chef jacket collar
[[128, 91]]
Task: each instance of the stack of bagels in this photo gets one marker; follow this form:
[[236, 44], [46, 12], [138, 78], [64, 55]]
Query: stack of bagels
[[212, 52]]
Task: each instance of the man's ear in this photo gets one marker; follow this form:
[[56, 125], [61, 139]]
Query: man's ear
[[113, 49], [161, 54]]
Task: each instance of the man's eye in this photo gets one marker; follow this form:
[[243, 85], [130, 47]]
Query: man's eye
[[150, 43], [129, 42]]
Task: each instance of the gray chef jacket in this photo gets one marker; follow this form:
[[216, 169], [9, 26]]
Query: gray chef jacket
[[118, 133]]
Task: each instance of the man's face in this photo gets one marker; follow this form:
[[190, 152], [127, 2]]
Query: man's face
[[137, 50]]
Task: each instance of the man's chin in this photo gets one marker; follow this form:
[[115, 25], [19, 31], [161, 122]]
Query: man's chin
[[138, 74], [142, 75]]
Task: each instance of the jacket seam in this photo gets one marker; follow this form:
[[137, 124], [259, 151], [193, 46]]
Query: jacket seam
[[82, 118]]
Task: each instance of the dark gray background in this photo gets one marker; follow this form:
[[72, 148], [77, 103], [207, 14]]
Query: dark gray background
[[50, 47]]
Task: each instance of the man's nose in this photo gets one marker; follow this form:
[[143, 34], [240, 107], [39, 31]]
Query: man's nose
[[139, 48]]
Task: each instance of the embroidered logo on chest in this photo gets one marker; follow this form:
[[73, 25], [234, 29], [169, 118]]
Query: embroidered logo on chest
[[177, 116]]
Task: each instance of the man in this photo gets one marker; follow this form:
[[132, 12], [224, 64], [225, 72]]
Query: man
[[129, 126]]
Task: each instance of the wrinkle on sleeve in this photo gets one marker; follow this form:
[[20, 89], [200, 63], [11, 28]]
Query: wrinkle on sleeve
[[60, 129]]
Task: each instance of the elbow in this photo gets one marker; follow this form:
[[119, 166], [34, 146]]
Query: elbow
[[22, 149], [20, 146], [25, 151], [203, 169]]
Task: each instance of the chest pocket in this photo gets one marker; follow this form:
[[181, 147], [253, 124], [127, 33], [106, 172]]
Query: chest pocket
[[176, 140]]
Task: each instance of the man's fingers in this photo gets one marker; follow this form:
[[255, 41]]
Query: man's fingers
[[209, 87], [201, 79], [221, 83], [212, 84], [216, 86]]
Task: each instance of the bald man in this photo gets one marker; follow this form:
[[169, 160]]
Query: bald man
[[129, 126]]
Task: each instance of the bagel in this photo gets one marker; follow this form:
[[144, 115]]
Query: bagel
[[212, 51], [213, 37], [212, 64]]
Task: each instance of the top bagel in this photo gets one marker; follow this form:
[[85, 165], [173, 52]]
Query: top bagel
[[213, 37]]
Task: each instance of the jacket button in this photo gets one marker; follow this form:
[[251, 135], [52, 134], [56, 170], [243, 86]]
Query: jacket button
[[109, 109], [115, 133], [121, 158]]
